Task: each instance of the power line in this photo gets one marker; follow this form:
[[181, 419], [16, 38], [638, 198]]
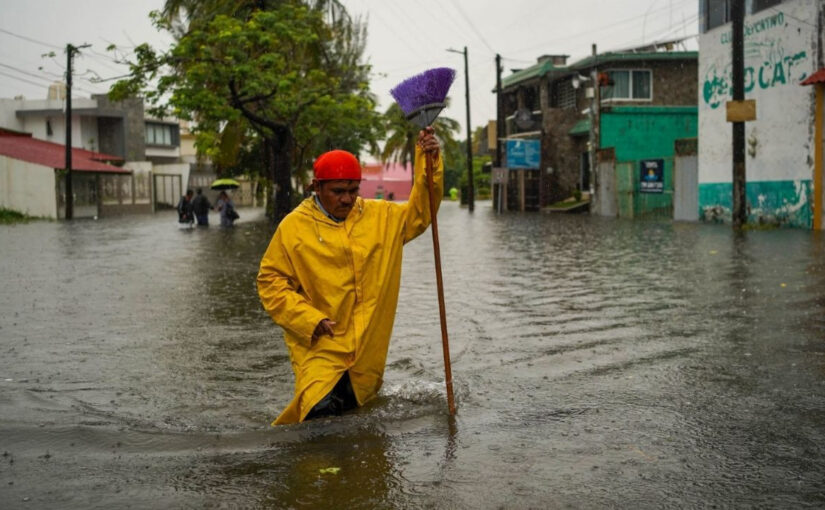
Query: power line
[[29, 39], [411, 47], [21, 79], [595, 30], [472, 25], [456, 25], [25, 72], [96, 55]]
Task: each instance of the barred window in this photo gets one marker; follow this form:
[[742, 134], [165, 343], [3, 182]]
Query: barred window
[[565, 94]]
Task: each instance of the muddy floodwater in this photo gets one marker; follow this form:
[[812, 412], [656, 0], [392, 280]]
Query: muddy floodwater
[[598, 363]]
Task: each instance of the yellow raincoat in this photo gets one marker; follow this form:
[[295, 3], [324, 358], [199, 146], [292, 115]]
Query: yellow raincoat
[[348, 272]]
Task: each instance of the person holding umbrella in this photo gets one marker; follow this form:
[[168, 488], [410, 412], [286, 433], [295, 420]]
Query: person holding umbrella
[[330, 278], [225, 205]]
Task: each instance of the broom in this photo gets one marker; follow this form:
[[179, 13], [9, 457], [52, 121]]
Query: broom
[[421, 98]]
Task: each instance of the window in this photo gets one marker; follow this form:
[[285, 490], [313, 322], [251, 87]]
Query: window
[[565, 95], [531, 98], [717, 12], [759, 5], [631, 84], [160, 134]]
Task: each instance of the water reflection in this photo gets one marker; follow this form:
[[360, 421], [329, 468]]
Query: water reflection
[[597, 363], [356, 469]]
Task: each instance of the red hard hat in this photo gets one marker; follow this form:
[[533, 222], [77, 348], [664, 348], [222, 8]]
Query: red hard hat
[[337, 165]]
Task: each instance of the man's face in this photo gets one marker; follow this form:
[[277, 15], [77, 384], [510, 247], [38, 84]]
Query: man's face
[[337, 197]]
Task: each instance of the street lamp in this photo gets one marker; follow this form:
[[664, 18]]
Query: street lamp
[[470, 188]]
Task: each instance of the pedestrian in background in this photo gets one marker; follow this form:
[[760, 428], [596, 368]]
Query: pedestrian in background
[[226, 207], [186, 217], [201, 207]]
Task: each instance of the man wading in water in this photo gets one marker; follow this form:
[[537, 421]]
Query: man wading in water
[[330, 279]]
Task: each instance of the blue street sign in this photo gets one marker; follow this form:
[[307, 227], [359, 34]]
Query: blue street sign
[[524, 154]]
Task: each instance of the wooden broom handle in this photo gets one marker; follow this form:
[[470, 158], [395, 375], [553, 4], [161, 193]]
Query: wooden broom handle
[[448, 373]]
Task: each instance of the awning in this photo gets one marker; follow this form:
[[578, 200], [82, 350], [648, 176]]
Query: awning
[[817, 77], [581, 128]]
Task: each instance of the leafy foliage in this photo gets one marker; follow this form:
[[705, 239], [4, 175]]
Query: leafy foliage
[[285, 72]]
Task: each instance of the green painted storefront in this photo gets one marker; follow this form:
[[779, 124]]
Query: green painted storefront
[[640, 133]]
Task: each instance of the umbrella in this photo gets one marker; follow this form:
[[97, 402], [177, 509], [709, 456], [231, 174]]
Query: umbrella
[[225, 184]]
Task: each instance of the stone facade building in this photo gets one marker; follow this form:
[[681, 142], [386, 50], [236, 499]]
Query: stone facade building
[[555, 104]]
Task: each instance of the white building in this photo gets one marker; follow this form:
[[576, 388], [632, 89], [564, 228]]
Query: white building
[[783, 45], [149, 147]]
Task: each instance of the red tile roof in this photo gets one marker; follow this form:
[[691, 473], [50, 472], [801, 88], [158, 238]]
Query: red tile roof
[[817, 77], [41, 152]]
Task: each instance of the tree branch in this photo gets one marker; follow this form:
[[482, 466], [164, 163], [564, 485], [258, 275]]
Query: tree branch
[[238, 104]]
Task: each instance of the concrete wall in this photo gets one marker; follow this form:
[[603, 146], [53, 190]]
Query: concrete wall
[[89, 138], [163, 155], [98, 124], [782, 48], [188, 151], [8, 118], [27, 188], [130, 113], [85, 134], [674, 82], [32, 115]]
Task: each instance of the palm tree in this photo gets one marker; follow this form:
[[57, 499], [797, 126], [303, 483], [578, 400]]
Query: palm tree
[[403, 134]]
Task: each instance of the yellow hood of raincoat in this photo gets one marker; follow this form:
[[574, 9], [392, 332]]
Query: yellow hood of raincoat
[[348, 272]]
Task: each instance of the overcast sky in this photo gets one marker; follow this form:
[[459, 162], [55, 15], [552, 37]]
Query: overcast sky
[[405, 38]]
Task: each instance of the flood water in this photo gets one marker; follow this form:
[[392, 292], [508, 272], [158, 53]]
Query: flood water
[[598, 363]]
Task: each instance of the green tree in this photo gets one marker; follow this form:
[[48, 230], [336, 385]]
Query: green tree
[[284, 76], [481, 180]]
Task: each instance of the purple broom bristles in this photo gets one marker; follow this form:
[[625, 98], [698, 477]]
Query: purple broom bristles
[[427, 88]]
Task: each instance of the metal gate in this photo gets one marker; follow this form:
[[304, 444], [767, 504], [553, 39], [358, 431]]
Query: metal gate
[[168, 190], [606, 187], [685, 188], [686, 180], [625, 189]]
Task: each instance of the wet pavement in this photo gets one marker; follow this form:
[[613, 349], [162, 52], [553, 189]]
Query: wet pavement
[[598, 363]]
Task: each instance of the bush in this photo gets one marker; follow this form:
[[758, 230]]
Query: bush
[[8, 216]]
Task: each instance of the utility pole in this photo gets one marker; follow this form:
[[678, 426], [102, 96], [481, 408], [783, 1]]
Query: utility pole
[[70, 51], [739, 213], [69, 193], [470, 188], [595, 99], [499, 125]]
